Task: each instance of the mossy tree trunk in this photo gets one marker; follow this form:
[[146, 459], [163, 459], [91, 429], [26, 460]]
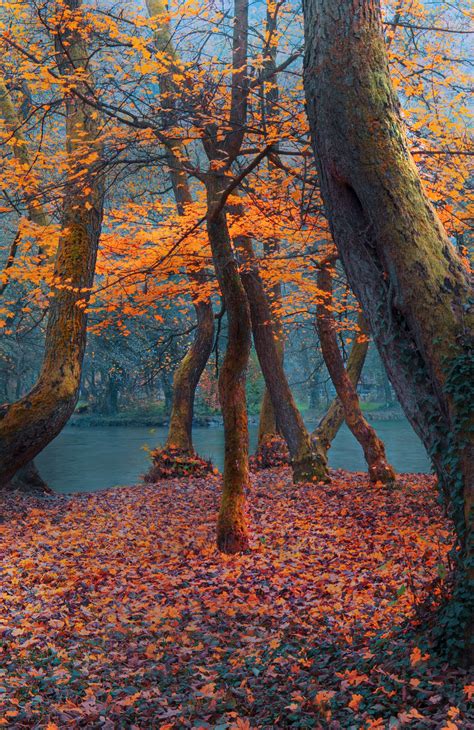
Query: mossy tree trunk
[[222, 148], [329, 425], [306, 463], [411, 283], [373, 448], [30, 423], [232, 534], [189, 371]]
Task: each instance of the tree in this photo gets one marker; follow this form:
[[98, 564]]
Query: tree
[[307, 464], [374, 450], [329, 425], [410, 281], [189, 371], [29, 424]]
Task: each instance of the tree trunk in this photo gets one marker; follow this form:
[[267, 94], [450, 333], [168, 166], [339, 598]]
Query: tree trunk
[[267, 427], [329, 425], [374, 450], [306, 463], [268, 431], [28, 479], [30, 423], [186, 379], [232, 536], [188, 373], [409, 279]]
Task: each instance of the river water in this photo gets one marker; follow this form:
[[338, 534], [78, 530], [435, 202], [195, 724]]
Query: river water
[[88, 459]]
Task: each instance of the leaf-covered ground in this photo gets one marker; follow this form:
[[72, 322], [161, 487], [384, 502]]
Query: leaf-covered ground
[[118, 612]]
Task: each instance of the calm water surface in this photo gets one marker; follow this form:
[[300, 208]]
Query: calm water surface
[[88, 459]]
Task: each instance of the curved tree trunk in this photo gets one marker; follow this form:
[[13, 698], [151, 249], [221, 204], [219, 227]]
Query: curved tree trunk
[[374, 450], [400, 263], [189, 371], [28, 477], [186, 379], [29, 424], [329, 425], [232, 534], [306, 463]]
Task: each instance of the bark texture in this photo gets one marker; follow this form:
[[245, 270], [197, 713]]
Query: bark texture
[[329, 425], [222, 150], [29, 424], [373, 448], [399, 261], [306, 463], [232, 534]]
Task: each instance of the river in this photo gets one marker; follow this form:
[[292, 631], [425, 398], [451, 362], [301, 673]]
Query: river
[[89, 459]]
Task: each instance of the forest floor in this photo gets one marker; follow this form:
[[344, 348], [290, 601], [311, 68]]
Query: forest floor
[[117, 611]]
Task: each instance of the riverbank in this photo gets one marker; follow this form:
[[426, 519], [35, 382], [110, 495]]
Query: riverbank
[[118, 611], [147, 420]]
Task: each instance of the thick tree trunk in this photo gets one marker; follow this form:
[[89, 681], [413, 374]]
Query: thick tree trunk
[[399, 261], [373, 448], [232, 533], [329, 425], [29, 424], [306, 463]]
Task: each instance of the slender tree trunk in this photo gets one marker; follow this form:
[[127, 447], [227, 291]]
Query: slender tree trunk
[[30, 423], [306, 463], [21, 152], [232, 533], [188, 373], [329, 425], [374, 450], [409, 279], [186, 379], [268, 430]]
